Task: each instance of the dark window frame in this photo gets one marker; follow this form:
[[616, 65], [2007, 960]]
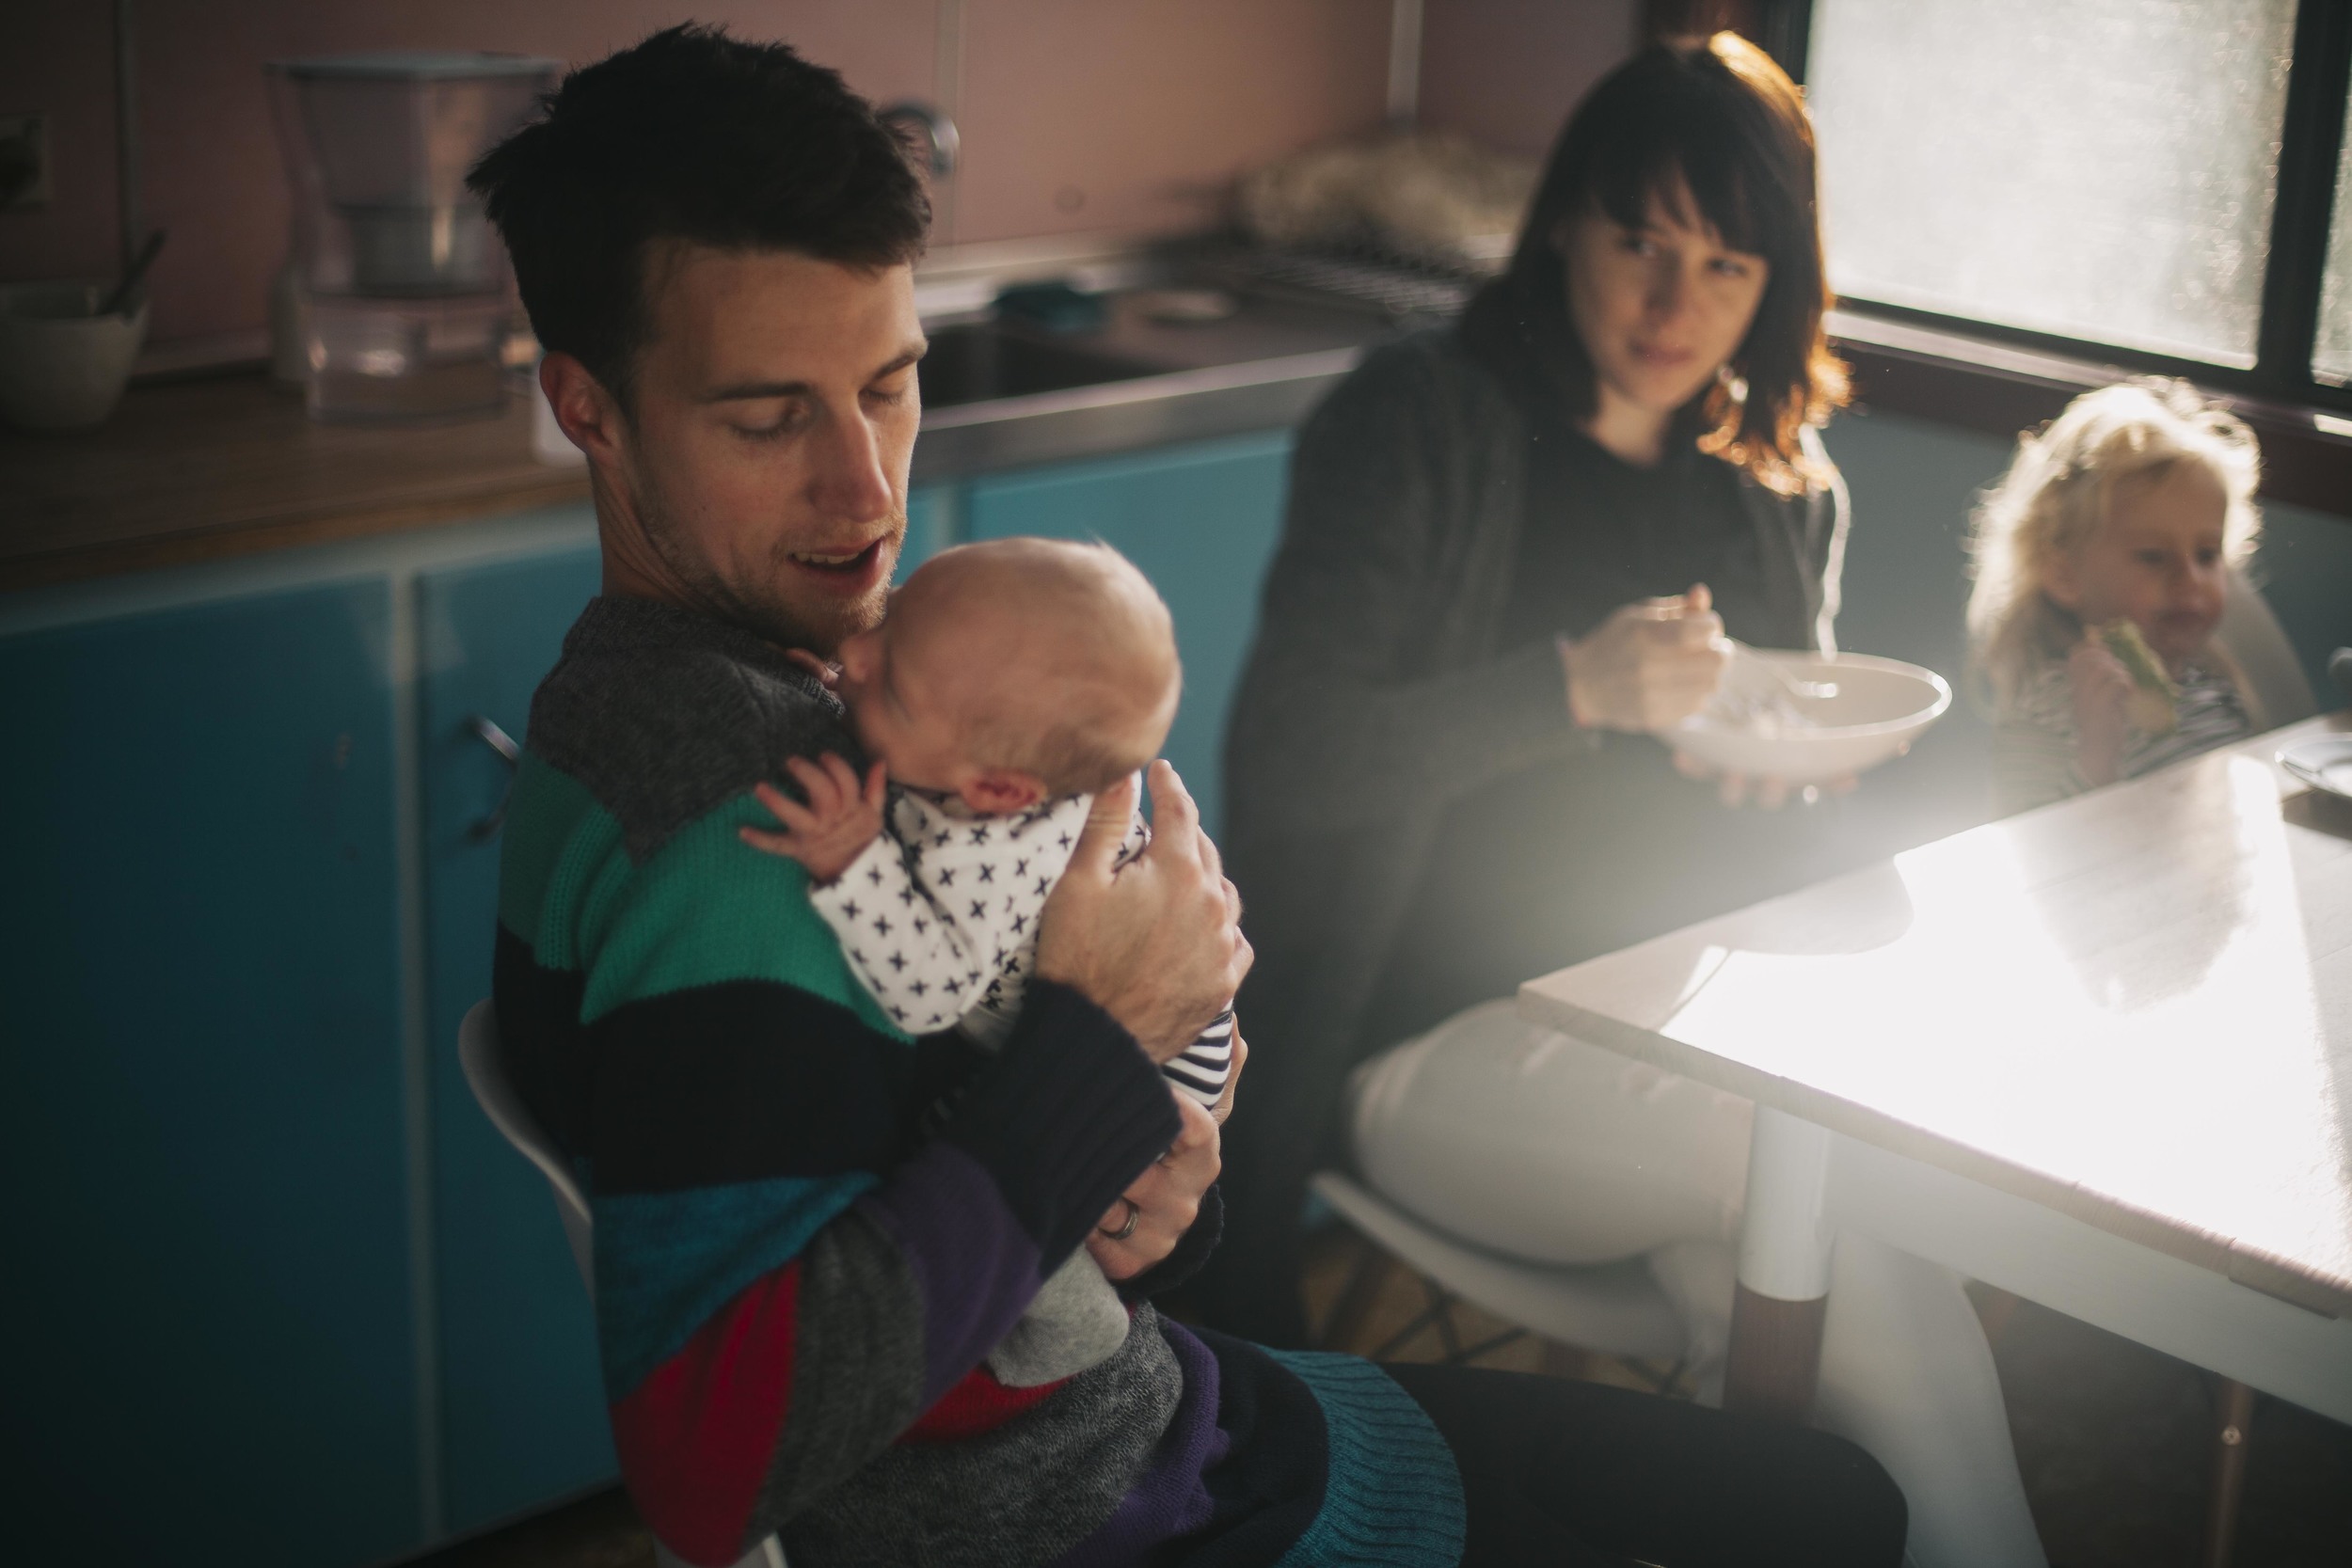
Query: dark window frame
[[1997, 378]]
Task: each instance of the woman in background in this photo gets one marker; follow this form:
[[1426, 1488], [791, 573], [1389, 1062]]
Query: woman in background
[[1514, 547]]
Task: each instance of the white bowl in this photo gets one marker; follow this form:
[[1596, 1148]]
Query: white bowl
[[1755, 727], [61, 366]]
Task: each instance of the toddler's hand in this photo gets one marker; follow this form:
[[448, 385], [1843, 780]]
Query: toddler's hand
[[2103, 690], [841, 818]]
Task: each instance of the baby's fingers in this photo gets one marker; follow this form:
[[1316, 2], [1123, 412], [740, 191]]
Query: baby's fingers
[[824, 794], [786, 844], [785, 809], [844, 780], [877, 787]]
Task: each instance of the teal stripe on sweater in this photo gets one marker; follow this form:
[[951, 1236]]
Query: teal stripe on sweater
[[666, 1263], [1392, 1496]]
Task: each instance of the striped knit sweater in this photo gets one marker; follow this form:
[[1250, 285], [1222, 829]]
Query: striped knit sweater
[[2035, 739], [795, 1288]]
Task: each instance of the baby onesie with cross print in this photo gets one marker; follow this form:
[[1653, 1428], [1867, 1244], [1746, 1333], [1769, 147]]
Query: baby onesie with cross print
[[938, 919]]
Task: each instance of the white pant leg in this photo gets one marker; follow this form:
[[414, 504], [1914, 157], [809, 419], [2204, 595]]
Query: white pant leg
[[1523, 1140], [1519, 1139]]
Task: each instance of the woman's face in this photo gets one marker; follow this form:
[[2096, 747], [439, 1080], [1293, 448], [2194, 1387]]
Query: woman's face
[[1661, 306]]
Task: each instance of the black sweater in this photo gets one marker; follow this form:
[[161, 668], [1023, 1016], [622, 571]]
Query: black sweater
[[1382, 694]]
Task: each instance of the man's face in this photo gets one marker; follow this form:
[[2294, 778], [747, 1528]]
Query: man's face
[[766, 452]]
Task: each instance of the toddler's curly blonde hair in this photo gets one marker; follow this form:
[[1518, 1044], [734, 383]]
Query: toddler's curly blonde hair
[[2055, 496]]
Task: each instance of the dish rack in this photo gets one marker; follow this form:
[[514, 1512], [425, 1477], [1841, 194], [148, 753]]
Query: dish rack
[[1395, 286]]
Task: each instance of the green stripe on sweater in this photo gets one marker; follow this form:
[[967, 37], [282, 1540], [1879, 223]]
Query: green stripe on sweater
[[555, 841], [706, 908]]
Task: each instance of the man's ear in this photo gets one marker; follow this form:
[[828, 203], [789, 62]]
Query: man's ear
[[588, 415], [1002, 791]]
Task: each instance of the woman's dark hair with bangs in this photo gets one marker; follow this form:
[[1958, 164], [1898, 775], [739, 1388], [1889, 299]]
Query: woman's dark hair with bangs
[[697, 136], [1720, 118]]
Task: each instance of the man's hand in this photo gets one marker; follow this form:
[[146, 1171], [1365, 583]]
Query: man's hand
[[1650, 665], [2103, 693], [841, 818], [1157, 943], [1165, 1199]]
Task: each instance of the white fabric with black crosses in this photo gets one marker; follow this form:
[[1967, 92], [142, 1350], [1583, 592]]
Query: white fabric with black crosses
[[938, 919]]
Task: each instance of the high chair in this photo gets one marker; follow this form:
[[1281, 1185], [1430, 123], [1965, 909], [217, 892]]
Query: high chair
[[1615, 1309], [485, 1074]]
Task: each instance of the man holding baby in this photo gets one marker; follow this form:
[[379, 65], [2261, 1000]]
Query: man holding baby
[[815, 1234]]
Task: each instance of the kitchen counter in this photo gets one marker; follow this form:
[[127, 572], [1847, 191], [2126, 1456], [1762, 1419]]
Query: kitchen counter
[[227, 466]]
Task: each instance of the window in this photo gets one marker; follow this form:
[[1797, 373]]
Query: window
[[2332, 360], [2155, 177]]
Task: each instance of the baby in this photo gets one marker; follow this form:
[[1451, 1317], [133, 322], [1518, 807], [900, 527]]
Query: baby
[[2102, 558], [1011, 682]]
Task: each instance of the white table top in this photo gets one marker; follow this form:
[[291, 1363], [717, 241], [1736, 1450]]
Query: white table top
[[2134, 1006]]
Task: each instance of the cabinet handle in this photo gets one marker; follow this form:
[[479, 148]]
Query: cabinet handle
[[485, 729]]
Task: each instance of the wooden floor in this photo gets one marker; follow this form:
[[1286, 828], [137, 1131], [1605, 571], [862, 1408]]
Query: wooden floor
[[2111, 1437]]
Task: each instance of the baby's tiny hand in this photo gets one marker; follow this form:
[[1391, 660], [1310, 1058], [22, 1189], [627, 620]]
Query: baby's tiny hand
[[828, 676], [841, 818]]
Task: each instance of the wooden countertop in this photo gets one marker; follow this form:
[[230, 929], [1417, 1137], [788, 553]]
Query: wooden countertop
[[2134, 1007], [196, 470]]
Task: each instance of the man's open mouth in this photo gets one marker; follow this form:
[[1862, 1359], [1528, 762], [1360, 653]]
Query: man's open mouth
[[847, 563]]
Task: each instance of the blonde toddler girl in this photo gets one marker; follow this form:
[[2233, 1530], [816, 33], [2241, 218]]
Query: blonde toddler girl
[[2100, 562]]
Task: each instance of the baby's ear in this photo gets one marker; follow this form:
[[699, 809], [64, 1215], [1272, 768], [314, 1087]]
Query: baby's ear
[[1002, 791]]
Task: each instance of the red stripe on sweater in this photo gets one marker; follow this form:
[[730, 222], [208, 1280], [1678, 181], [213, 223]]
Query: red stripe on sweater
[[695, 1438], [978, 1403]]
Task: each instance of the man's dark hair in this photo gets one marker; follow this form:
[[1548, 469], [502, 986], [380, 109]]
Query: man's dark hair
[[697, 136]]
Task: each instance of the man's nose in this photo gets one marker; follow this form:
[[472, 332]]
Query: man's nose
[[850, 478]]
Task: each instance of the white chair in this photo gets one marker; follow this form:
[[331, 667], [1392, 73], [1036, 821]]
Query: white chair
[[2249, 633], [485, 1074], [1616, 1309]]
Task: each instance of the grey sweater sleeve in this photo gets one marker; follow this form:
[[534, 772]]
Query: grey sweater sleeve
[[1345, 719]]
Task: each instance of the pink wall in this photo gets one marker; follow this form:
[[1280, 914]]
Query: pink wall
[[1076, 113], [1507, 71], [1121, 114]]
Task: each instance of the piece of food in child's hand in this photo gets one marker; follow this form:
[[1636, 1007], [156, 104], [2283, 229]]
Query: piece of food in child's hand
[[2151, 707]]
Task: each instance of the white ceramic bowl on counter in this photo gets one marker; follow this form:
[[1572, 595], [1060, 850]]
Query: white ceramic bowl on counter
[[62, 365], [1757, 726]]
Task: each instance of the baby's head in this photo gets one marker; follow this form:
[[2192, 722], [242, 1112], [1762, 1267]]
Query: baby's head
[[2131, 506], [1016, 671]]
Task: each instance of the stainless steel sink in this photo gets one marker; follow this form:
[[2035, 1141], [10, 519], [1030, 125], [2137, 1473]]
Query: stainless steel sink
[[980, 362]]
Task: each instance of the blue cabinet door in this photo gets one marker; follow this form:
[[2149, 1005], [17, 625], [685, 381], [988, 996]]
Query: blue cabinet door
[[1201, 521], [522, 1404], [205, 1238], [934, 516]]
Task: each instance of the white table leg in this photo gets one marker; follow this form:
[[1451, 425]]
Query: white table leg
[[1907, 1374], [1784, 1246]]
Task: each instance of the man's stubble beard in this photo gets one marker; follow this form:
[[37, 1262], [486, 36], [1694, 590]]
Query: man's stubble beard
[[755, 605]]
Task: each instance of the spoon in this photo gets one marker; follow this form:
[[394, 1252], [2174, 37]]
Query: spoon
[[1813, 691], [148, 253]]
